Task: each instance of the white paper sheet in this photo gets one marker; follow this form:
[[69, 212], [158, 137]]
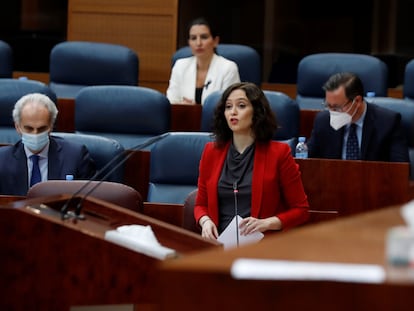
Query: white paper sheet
[[266, 269], [229, 236], [140, 239]]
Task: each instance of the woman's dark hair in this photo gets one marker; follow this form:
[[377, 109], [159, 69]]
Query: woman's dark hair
[[202, 21], [264, 122], [351, 82]]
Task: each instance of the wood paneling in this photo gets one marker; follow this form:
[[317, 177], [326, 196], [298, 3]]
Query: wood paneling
[[149, 27]]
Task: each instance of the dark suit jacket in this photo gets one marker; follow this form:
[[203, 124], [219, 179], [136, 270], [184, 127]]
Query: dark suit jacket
[[277, 188], [383, 138], [64, 158]]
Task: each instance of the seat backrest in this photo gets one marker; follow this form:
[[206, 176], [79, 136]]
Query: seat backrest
[[247, 59], [116, 193], [174, 166], [11, 90], [285, 108], [6, 60], [314, 70], [189, 222], [408, 88], [102, 150], [128, 114], [406, 109], [76, 64]]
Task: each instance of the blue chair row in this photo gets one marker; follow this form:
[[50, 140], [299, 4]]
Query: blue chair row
[[76, 64], [314, 70], [6, 60]]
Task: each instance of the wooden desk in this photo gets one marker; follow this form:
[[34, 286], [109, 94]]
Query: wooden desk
[[335, 188], [53, 264], [185, 118], [206, 283], [340, 187]]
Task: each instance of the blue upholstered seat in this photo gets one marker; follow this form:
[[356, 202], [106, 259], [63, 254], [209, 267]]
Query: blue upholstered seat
[[285, 108], [247, 59], [174, 166], [314, 70], [408, 89], [102, 150], [128, 114], [6, 60], [406, 109], [11, 90], [76, 64]]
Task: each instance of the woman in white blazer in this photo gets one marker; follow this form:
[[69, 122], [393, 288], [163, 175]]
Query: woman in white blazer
[[194, 78]]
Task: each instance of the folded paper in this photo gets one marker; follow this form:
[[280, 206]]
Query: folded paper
[[140, 239]]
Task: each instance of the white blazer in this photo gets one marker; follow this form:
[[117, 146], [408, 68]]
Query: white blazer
[[221, 74]]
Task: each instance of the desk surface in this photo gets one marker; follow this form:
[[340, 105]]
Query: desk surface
[[353, 239]]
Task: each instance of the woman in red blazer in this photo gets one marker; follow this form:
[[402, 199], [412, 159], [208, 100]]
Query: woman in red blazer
[[244, 159]]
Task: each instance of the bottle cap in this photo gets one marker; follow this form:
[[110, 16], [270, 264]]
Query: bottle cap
[[370, 94], [69, 177], [302, 139]]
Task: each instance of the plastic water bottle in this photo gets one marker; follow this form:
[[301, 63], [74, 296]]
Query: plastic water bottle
[[301, 151], [69, 177], [370, 97]]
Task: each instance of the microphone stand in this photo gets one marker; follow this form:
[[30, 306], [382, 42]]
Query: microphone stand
[[64, 211], [236, 212]]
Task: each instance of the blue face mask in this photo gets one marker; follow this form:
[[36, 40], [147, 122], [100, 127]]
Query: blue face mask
[[35, 142]]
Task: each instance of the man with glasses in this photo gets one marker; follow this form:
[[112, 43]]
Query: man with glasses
[[38, 156], [351, 128]]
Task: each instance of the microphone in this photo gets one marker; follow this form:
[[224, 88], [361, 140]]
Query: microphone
[[207, 84], [64, 211], [236, 212]]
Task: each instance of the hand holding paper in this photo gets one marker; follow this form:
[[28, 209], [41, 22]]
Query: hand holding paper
[[231, 235]]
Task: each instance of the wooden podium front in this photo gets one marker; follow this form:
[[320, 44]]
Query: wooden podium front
[[337, 188], [47, 263], [206, 281]]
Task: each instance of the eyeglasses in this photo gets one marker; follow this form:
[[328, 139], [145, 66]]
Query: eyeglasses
[[337, 108]]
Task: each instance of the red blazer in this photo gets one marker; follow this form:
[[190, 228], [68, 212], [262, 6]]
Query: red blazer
[[277, 188]]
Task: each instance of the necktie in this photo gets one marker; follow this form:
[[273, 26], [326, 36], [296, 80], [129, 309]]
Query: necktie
[[36, 177], [352, 147]]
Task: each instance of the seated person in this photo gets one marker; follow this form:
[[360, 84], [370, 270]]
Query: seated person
[[39, 156], [244, 158], [353, 129], [194, 78]]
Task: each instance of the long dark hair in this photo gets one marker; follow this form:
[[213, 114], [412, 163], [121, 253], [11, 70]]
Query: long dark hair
[[205, 22], [264, 123]]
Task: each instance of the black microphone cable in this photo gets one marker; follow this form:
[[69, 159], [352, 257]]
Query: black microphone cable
[[236, 212]]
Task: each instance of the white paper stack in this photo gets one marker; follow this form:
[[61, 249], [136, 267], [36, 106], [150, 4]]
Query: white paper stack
[[140, 239], [266, 269]]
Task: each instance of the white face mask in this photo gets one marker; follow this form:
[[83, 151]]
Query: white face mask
[[35, 142], [340, 119]]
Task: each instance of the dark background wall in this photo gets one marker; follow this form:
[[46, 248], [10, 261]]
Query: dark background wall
[[281, 31]]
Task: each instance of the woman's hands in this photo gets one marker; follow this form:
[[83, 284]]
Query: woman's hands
[[247, 226], [250, 225], [208, 228]]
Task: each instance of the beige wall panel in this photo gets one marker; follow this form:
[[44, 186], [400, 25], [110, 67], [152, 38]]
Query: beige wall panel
[[148, 27]]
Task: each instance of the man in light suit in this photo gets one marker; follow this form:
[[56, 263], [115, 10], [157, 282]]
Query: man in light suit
[[379, 133], [34, 116]]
